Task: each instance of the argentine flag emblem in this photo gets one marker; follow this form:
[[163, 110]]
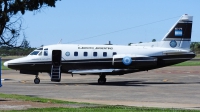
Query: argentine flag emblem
[[178, 31]]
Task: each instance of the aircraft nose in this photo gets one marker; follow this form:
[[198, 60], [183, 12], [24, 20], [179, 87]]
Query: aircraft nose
[[10, 62], [5, 64]]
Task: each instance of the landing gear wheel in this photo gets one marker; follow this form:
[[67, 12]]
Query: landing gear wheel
[[36, 80], [101, 81]]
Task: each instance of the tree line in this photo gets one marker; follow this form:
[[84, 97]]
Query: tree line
[[195, 47], [10, 51], [23, 50]]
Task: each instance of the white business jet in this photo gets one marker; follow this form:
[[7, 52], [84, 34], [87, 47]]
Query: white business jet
[[105, 60]]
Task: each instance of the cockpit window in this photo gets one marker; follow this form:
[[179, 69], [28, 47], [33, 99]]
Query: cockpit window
[[37, 51], [46, 52], [40, 53], [34, 53]]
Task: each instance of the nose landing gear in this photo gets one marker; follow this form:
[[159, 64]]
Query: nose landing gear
[[37, 80]]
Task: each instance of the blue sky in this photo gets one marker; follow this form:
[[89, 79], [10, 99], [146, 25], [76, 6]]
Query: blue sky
[[73, 20]]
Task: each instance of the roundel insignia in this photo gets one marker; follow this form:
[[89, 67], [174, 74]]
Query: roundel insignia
[[173, 43], [127, 60]]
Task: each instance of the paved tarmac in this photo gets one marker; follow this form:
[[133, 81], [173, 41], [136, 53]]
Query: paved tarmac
[[170, 87]]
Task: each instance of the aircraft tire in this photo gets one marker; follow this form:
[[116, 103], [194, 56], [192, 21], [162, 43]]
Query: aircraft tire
[[101, 81], [36, 80]]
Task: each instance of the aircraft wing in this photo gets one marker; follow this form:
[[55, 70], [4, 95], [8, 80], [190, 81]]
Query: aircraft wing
[[175, 52], [91, 71], [135, 63], [106, 71]]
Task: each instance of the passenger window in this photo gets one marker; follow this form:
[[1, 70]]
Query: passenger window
[[95, 54], [114, 53], [104, 54], [75, 53], [85, 54]]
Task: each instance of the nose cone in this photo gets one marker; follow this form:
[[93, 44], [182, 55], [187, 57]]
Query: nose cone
[[11, 62], [5, 64]]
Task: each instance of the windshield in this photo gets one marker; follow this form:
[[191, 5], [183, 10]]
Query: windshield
[[37, 51], [34, 53]]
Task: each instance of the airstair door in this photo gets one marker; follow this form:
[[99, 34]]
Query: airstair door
[[56, 65]]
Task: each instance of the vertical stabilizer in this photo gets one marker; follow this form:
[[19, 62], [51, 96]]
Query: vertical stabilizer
[[179, 35]]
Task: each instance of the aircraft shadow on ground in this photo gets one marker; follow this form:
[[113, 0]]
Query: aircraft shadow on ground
[[125, 83], [4, 100]]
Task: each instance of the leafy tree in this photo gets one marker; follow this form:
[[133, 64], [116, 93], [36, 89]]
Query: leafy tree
[[10, 18], [192, 46], [195, 47], [25, 44]]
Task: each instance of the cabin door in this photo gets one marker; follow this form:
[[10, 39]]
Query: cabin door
[[56, 57]]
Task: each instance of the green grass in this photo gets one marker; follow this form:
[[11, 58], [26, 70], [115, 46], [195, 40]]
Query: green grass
[[87, 108], [104, 109], [189, 63], [34, 99]]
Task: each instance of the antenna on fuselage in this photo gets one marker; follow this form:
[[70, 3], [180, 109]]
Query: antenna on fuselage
[[60, 41]]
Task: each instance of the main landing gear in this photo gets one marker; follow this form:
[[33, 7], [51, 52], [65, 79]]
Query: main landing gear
[[37, 80], [102, 79]]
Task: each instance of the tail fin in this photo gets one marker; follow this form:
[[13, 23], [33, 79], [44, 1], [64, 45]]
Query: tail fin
[[179, 35]]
